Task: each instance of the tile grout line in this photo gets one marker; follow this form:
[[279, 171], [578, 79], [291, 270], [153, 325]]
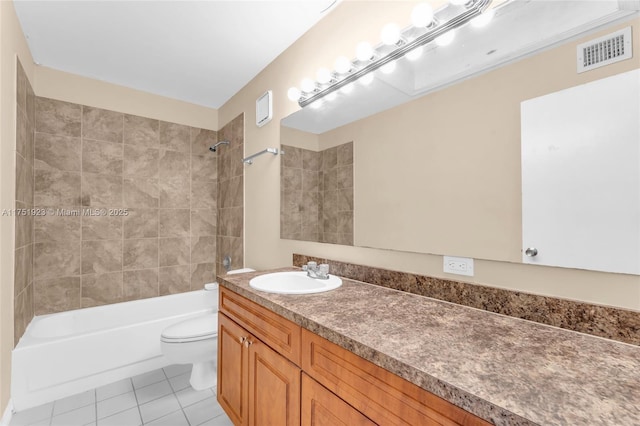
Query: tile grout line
[[122, 288], [52, 411], [80, 201], [135, 394], [157, 227], [173, 391]]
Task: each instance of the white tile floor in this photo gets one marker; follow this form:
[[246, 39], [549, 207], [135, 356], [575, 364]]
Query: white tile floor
[[160, 398]]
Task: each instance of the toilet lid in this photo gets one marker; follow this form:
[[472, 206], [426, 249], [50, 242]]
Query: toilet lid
[[203, 326]]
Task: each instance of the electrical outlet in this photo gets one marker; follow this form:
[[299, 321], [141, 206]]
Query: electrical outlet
[[458, 265]]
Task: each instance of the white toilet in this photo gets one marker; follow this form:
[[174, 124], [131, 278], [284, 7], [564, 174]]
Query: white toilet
[[195, 341]]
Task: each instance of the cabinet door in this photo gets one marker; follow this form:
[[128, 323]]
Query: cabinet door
[[233, 375], [581, 176], [274, 387], [320, 407]]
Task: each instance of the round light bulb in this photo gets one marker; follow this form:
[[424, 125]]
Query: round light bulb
[[294, 94], [364, 51], [323, 75], [331, 96], [483, 20], [347, 89], [446, 38], [414, 54], [422, 15], [390, 34], [388, 68], [366, 79], [342, 65], [307, 85], [459, 2]]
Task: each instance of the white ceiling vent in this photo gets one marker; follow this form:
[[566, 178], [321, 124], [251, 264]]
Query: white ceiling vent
[[614, 47]]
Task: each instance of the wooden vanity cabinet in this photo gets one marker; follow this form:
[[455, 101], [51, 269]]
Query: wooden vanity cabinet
[[382, 396], [260, 381], [256, 385]]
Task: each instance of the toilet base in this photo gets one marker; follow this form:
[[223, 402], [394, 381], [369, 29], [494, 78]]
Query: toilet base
[[204, 375]]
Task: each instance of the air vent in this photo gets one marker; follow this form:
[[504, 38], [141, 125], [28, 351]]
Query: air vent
[[614, 47]]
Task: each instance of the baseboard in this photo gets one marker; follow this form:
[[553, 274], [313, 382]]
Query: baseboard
[[7, 415]]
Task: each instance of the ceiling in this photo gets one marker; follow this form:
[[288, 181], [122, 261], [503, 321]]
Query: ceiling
[[201, 52]]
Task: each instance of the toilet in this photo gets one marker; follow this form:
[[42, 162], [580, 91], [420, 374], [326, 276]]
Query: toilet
[[195, 341]]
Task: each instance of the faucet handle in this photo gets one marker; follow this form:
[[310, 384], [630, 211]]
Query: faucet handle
[[312, 265], [324, 269]]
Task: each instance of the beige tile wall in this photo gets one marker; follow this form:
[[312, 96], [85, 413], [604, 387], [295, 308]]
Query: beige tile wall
[[230, 219], [337, 194], [316, 194], [24, 223], [158, 183]]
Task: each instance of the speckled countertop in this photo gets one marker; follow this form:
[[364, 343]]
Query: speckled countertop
[[506, 370]]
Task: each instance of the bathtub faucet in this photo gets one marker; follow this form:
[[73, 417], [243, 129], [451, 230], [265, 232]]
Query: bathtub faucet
[[319, 272]]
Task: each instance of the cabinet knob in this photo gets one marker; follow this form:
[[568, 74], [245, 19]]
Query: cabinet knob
[[242, 339], [247, 343], [531, 252]]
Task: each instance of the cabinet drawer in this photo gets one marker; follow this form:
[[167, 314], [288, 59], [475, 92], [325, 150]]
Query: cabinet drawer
[[272, 329], [379, 394], [322, 408]]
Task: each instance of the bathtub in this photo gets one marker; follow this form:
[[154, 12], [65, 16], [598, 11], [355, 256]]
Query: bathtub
[[70, 352]]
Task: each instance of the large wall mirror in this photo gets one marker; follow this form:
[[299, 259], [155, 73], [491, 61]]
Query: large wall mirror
[[435, 147]]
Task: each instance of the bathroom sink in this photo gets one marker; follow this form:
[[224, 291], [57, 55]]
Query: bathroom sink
[[293, 283]]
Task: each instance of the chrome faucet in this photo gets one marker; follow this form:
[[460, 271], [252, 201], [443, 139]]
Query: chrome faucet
[[318, 272]]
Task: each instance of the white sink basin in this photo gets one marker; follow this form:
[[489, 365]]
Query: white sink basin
[[293, 283]]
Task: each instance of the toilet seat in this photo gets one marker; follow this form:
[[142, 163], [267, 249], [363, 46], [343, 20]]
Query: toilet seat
[[194, 329]]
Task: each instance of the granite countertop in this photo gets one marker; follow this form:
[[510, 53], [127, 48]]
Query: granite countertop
[[505, 370]]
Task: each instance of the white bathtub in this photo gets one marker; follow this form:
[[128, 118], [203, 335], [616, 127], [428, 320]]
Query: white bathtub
[[70, 352]]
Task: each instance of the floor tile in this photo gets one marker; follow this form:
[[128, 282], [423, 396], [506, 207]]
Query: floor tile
[[114, 389], [154, 391], [161, 402], [177, 369], [222, 420], [176, 418], [190, 396], [130, 417], [74, 401], [149, 378], [180, 382], [114, 405], [202, 411], [77, 417], [32, 415], [159, 407]]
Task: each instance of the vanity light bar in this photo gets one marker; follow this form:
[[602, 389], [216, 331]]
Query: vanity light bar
[[446, 19]]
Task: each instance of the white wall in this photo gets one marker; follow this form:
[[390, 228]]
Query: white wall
[[63, 86]]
